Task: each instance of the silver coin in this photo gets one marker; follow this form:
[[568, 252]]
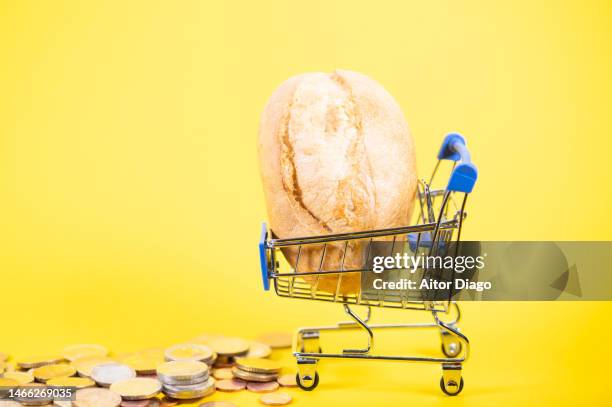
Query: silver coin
[[174, 381], [188, 395], [189, 387], [108, 373], [183, 372]]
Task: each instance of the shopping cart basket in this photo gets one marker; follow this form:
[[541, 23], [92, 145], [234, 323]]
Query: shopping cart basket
[[437, 230]]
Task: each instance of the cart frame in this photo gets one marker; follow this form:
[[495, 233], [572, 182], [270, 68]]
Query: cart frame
[[437, 226]]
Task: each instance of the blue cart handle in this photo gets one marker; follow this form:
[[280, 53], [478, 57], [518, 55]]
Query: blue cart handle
[[465, 174]]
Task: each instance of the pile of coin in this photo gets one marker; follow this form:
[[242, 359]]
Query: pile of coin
[[185, 379], [154, 377], [227, 349], [256, 370]]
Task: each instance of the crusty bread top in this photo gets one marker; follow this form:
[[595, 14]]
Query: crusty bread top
[[336, 156]]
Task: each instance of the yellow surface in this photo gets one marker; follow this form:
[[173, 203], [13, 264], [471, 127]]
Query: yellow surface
[[130, 202]]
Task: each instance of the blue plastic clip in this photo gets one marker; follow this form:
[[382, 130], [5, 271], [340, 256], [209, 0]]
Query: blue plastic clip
[[263, 259]]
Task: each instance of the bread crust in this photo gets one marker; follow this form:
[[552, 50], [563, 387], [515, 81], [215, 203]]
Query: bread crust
[[335, 156]]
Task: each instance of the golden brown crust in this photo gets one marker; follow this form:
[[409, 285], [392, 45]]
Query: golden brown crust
[[335, 156]]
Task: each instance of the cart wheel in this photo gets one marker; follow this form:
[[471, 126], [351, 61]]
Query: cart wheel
[[452, 389], [312, 386], [452, 349]]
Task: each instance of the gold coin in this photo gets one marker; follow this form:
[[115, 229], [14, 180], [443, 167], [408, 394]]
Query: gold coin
[[74, 352], [78, 382], [258, 365], [266, 387], [96, 397], [5, 385], [21, 377], [137, 388], [253, 377], [144, 363], [189, 351], [182, 369], [287, 380], [276, 399], [259, 350], [6, 382], [276, 340], [44, 373], [223, 373], [6, 367], [38, 361], [27, 399], [229, 346], [84, 366]]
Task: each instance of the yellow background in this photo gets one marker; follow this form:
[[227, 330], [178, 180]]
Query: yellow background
[[130, 201]]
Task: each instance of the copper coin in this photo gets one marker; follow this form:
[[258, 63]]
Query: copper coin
[[276, 399], [262, 387], [223, 373], [230, 385], [287, 380]]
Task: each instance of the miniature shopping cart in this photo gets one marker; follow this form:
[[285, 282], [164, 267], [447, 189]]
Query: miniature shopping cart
[[437, 230]]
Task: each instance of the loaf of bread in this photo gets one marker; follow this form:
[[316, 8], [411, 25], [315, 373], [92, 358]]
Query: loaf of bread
[[335, 156]]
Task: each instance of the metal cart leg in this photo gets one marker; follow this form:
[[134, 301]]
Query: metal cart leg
[[363, 325], [451, 346]]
